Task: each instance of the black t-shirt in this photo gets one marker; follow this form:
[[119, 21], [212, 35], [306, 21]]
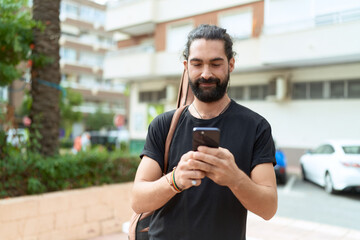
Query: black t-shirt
[[208, 211]]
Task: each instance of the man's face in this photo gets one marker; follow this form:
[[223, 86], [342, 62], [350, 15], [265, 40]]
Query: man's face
[[208, 69]]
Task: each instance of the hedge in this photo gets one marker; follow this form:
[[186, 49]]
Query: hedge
[[29, 173]]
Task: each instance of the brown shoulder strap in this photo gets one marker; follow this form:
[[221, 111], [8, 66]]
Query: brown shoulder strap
[[185, 95], [170, 135]]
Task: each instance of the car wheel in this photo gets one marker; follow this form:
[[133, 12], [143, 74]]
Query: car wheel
[[329, 187], [281, 179], [303, 173]]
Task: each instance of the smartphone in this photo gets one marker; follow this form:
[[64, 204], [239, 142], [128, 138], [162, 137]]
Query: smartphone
[[205, 136]]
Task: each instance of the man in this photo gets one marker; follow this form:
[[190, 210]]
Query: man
[[209, 192]]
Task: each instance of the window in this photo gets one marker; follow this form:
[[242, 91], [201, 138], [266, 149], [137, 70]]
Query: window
[[68, 10], [238, 25], [299, 91], [100, 17], [69, 77], [331, 12], [351, 149], [328, 149], [312, 90], [316, 90], [68, 55], [326, 89], [337, 89], [176, 36], [103, 41], [319, 150], [89, 38], [354, 89], [91, 59], [63, 77], [258, 92], [88, 81], [324, 149], [287, 15], [236, 93], [152, 96], [68, 34], [87, 14]]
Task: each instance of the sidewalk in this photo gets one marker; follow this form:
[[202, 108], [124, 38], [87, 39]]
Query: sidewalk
[[280, 228]]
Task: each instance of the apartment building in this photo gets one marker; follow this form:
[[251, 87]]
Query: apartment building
[[83, 45], [297, 63]]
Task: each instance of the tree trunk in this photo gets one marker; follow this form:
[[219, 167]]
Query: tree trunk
[[45, 78]]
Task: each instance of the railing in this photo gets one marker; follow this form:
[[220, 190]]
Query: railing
[[65, 15], [338, 17], [289, 26], [117, 3], [319, 20], [148, 48], [93, 109], [82, 63], [99, 86], [88, 41]]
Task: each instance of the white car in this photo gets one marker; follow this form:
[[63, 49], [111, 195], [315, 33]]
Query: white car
[[334, 165]]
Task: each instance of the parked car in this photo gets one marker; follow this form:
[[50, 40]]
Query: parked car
[[110, 139], [334, 165], [102, 138], [280, 167]]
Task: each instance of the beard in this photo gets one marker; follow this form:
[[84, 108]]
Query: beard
[[212, 94]]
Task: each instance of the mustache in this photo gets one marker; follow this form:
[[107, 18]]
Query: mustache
[[209, 80]]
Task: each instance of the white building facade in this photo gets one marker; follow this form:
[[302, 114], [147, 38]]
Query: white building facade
[[297, 63], [83, 45]]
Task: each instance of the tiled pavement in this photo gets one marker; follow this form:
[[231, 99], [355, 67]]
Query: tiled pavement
[[280, 228]]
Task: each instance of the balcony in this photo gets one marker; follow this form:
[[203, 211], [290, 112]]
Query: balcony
[[168, 64], [129, 65], [93, 109], [94, 87], [327, 44], [139, 66], [90, 44], [248, 56], [138, 17], [131, 17], [142, 62]]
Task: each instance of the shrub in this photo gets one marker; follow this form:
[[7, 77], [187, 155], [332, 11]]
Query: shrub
[[23, 174]]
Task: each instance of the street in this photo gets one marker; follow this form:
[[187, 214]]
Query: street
[[306, 201]]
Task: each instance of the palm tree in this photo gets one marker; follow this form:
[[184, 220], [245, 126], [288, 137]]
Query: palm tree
[[45, 79]]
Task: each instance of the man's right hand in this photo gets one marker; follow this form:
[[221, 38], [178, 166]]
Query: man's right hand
[[187, 173]]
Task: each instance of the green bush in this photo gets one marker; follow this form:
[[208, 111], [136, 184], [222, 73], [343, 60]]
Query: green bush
[[26, 174]]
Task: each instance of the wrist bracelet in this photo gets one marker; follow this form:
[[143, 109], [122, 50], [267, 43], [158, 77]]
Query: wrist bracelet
[[171, 186], [176, 187]]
